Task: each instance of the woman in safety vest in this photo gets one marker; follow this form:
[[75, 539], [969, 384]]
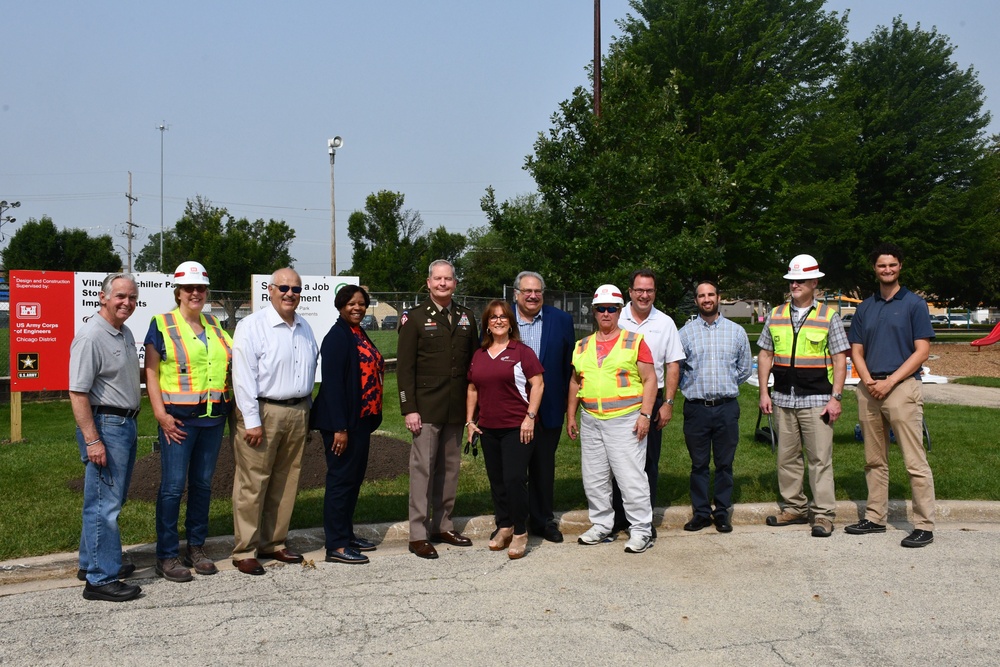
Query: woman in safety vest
[[614, 379], [188, 366]]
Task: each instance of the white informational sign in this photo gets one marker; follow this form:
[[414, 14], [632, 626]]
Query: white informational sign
[[315, 302], [156, 296]]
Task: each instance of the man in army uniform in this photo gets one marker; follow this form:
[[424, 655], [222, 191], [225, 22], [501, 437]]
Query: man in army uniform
[[436, 341]]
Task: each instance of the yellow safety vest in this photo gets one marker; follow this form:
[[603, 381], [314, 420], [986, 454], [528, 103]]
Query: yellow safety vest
[[193, 376], [614, 388], [802, 359]]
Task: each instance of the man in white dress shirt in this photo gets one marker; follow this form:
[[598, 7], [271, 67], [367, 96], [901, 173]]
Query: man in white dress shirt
[[274, 370], [660, 333]]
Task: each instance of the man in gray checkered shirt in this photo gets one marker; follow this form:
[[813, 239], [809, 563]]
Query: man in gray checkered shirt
[[804, 344]]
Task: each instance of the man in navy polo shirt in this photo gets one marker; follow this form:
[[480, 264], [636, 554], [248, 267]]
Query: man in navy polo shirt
[[890, 341]]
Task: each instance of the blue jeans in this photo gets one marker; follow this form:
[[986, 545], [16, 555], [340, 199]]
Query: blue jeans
[[190, 462], [104, 491]]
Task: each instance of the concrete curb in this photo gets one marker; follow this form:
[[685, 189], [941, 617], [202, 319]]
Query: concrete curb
[[572, 523]]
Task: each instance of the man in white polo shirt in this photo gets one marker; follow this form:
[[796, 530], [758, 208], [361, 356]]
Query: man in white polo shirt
[[660, 333]]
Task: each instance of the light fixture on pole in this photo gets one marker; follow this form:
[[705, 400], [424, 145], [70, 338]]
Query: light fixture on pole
[[332, 145], [5, 219]]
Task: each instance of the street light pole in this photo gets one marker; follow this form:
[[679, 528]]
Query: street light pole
[[7, 219], [332, 146], [162, 127]]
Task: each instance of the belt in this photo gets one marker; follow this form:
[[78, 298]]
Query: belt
[[284, 401], [711, 403], [119, 412], [880, 376]]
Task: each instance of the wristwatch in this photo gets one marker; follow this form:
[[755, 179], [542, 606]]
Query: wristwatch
[[838, 397], [669, 401], [531, 415]]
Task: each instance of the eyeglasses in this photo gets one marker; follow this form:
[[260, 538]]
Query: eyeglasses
[[530, 292], [194, 288], [498, 318], [296, 289], [606, 309], [640, 291], [797, 282]]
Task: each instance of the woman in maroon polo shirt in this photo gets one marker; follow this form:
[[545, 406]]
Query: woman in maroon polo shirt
[[505, 389]]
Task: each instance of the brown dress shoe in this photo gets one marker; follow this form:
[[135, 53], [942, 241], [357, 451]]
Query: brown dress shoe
[[423, 549], [452, 538], [284, 555], [249, 566]]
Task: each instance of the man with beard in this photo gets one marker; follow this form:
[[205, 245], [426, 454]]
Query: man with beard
[[716, 362], [890, 341]]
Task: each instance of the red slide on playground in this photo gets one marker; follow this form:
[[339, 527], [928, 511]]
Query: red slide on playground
[[989, 340]]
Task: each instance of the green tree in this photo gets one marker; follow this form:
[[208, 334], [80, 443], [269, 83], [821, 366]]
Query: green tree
[[38, 245], [231, 249], [390, 253], [498, 252], [921, 137], [754, 83]]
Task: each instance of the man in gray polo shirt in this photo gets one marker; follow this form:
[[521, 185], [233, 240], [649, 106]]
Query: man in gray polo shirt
[[104, 394]]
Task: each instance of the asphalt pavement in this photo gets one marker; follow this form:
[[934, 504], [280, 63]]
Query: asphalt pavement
[[756, 596]]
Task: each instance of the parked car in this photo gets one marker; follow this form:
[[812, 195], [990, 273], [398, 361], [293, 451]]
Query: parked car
[[389, 322], [939, 320], [846, 320], [369, 323], [959, 320]]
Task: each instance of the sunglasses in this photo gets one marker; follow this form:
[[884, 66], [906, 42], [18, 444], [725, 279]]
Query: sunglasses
[[194, 288], [284, 288], [606, 309]]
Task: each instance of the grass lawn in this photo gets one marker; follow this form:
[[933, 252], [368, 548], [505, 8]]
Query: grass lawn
[[977, 381], [42, 515]]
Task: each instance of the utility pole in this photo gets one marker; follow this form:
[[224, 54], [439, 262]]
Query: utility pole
[[130, 234], [597, 58]]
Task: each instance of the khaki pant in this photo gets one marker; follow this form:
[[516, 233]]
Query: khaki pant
[[903, 410], [267, 479], [435, 459], [802, 431]]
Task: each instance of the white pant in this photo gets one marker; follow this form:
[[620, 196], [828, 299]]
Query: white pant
[[609, 449]]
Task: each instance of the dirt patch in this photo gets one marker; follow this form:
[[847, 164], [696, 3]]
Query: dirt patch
[[961, 359], [389, 458]]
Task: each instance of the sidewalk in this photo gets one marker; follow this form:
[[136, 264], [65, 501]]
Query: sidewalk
[[757, 596]]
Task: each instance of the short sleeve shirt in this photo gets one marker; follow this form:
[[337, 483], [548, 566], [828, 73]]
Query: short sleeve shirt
[[888, 329], [104, 364], [502, 384]]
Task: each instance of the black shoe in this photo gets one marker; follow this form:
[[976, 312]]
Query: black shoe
[[697, 523], [349, 556], [865, 527], [361, 544], [918, 538], [116, 591], [722, 523], [552, 533], [126, 571]]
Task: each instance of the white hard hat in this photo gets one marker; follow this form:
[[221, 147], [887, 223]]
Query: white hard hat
[[190, 273], [608, 294], [803, 267]]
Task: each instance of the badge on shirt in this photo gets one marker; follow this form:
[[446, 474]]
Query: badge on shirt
[[403, 319], [430, 325], [464, 321]]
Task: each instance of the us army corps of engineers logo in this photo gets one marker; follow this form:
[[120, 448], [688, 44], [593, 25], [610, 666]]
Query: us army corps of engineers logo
[[27, 365]]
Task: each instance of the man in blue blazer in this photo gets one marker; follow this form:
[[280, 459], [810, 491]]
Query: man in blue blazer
[[550, 334]]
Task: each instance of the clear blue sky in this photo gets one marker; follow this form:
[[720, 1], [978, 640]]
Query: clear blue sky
[[434, 99]]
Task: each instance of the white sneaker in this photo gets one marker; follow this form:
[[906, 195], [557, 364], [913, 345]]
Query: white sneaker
[[638, 543], [593, 536]]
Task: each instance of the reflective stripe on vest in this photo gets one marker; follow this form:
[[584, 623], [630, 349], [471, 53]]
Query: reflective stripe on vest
[[194, 374], [807, 350], [613, 388]]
